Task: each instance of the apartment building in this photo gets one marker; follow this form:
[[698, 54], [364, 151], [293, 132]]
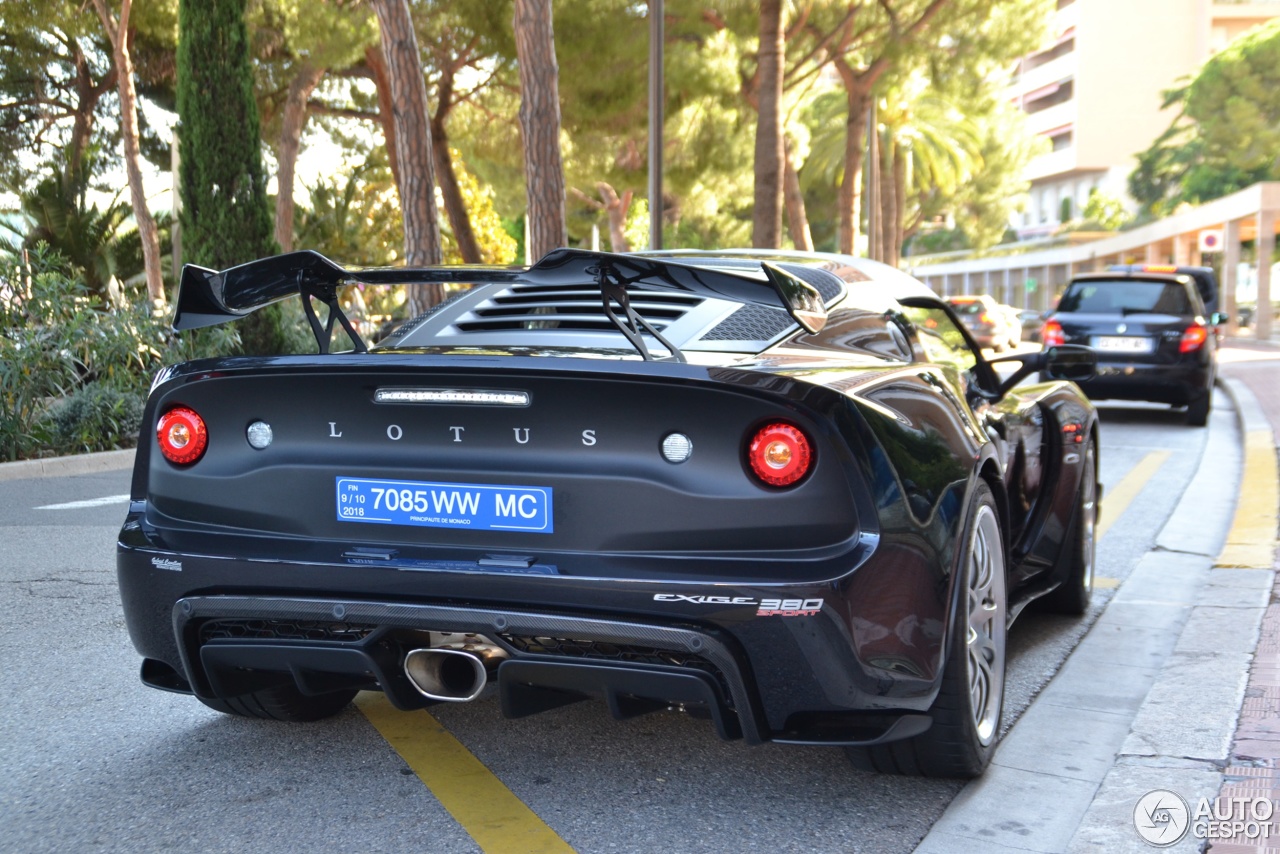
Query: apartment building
[[1095, 91]]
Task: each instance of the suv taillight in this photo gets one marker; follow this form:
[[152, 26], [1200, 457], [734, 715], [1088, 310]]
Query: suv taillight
[[1193, 339], [1051, 334]]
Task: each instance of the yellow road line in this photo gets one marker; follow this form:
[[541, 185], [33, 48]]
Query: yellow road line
[[1118, 498], [1251, 543], [497, 820]]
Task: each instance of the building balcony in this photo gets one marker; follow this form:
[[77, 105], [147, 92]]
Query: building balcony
[[1062, 68], [1053, 163], [1057, 116], [1068, 17]]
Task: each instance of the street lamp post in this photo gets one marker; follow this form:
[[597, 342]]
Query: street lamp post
[[656, 90]]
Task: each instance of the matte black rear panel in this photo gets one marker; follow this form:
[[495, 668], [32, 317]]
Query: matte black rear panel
[[594, 441]]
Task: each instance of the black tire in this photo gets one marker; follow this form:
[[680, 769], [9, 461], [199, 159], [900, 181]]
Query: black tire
[[963, 737], [283, 703], [1076, 591], [1198, 409]]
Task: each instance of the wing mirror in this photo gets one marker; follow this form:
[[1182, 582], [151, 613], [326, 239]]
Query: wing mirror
[[1218, 318], [1072, 362]]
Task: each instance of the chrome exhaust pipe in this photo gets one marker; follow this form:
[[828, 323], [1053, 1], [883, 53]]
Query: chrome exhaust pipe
[[451, 675]]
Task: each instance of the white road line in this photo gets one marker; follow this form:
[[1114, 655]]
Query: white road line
[[90, 502]]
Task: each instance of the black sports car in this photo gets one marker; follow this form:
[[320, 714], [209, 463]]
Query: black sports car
[[784, 491]]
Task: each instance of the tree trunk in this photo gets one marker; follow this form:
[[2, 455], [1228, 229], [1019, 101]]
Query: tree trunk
[[118, 32], [386, 113], [855, 124], [871, 190], [900, 205], [455, 206], [292, 123], [766, 222], [413, 145], [797, 216], [540, 126], [616, 209], [88, 94], [887, 198], [884, 198]]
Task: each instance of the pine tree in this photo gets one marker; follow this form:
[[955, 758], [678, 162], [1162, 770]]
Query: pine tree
[[226, 219]]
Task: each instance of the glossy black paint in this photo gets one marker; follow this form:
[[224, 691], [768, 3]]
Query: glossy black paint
[[644, 552]]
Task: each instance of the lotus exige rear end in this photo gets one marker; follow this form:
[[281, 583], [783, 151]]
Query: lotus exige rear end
[[736, 537]]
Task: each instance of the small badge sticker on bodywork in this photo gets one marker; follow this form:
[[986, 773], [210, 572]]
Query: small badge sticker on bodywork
[[764, 607]]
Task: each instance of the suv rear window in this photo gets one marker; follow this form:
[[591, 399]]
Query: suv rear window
[[969, 307], [1125, 296]]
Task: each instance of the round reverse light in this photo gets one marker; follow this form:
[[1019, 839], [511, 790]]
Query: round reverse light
[[677, 447], [182, 435], [779, 454], [259, 435]]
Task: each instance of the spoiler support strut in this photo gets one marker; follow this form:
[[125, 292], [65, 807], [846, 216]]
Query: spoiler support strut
[[615, 290], [324, 334]]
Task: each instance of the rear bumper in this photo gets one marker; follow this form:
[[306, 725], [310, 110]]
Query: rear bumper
[[820, 674], [1173, 384]]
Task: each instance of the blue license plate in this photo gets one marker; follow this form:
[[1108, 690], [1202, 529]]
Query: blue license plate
[[466, 506]]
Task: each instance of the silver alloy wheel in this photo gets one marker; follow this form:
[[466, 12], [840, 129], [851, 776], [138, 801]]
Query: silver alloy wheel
[[1089, 515], [986, 624]]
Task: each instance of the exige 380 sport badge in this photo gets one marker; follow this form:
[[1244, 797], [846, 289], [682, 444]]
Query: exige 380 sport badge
[[764, 607]]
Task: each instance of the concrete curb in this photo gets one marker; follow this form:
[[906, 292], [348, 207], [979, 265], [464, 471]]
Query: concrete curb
[[1069, 773], [1251, 543], [55, 466]]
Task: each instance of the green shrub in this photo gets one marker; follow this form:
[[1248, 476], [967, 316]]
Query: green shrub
[[97, 417], [72, 371], [43, 315]]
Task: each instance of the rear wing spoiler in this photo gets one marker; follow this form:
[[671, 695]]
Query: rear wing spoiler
[[207, 297]]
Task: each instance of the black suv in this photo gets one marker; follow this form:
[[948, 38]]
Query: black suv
[[1151, 331], [1205, 278]]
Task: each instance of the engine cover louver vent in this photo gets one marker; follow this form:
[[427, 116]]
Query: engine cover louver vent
[[751, 323], [568, 307]]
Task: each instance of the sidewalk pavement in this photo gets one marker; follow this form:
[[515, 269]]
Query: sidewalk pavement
[[1177, 685], [1253, 764]]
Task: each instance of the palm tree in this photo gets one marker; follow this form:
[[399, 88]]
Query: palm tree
[[57, 212], [929, 149]]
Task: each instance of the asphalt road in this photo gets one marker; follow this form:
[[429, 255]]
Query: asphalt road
[[92, 760]]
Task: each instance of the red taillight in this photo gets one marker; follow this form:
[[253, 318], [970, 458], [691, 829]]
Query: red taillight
[[779, 454], [182, 435], [984, 318], [1193, 339], [1051, 334]]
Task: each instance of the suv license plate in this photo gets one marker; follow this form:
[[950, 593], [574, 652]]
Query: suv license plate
[[1122, 344], [469, 506]]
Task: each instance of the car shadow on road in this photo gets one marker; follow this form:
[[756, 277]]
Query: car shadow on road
[[1141, 413]]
